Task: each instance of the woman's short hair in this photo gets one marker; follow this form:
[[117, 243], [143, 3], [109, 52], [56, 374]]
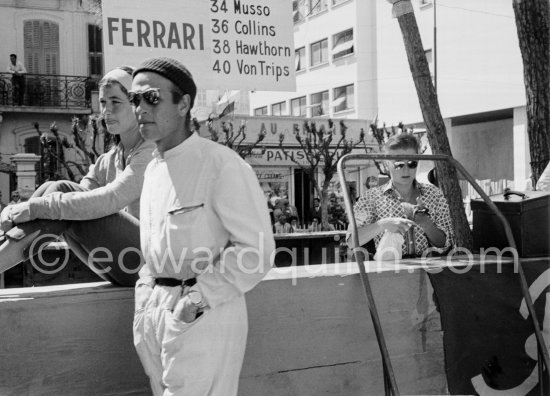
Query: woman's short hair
[[107, 81], [403, 141]]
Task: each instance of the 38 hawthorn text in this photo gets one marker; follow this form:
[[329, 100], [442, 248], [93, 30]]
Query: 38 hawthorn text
[[251, 20]]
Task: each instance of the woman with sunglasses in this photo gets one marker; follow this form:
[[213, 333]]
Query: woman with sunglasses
[[405, 206], [97, 218]]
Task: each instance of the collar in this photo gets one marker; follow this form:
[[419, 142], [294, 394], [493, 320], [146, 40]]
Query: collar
[[180, 148], [388, 187]]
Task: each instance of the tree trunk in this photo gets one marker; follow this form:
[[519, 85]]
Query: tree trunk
[[437, 134], [533, 25], [324, 203]]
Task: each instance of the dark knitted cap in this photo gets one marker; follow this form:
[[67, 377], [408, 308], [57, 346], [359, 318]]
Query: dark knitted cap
[[173, 71]]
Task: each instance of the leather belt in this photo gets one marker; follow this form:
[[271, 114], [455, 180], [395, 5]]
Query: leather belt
[[173, 282]]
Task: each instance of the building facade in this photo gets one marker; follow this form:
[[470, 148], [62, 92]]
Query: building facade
[[351, 62], [335, 46], [59, 44]]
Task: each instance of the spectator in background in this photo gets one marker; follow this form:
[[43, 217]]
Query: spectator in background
[[270, 206], [294, 226], [316, 209], [282, 226], [290, 211], [17, 71], [315, 225], [15, 198], [336, 213]]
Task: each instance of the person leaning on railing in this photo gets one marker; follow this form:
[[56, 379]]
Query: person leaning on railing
[[404, 206], [98, 218], [17, 71]]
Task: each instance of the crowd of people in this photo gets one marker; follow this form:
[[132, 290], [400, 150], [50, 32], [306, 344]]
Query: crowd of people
[[286, 219]]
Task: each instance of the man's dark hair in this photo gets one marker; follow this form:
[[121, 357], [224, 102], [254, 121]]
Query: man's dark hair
[[13, 55]]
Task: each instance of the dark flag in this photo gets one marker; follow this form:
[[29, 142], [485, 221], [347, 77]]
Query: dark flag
[[489, 340]]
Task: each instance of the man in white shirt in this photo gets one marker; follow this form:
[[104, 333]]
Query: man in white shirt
[[17, 71], [206, 238]]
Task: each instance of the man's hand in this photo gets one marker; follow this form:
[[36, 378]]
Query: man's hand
[[143, 292], [395, 224], [421, 215], [5, 219], [15, 214], [185, 310]]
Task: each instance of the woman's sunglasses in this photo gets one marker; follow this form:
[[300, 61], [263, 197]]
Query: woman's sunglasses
[[151, 97], [401, 164]]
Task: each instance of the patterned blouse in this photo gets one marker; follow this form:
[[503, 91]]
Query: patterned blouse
[[383, 202]]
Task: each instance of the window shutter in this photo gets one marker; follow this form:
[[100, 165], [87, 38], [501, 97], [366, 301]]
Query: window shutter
[[41, 43], [31, 34]]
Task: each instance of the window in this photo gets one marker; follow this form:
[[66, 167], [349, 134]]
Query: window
[[278, 109], [300, 59], [95, 51], [260, 111], [344, 98], [317, 6], [319, 104], [342, 44], [299, 10], [298, 106], [319, 52], [335, 2], [200, 99], [41, 42]]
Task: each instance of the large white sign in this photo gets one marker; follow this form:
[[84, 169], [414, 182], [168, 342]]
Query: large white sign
[[226, 44]]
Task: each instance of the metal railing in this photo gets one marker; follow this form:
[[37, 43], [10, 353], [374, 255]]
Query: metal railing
[[46, 90], [390, 384]]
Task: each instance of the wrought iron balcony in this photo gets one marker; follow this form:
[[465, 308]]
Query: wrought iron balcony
[[46, 90]]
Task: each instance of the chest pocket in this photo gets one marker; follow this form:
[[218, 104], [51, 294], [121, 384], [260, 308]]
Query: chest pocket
[[188, 229]]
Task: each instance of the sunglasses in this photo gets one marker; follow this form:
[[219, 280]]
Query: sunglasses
[[401, 164], [151, 97]]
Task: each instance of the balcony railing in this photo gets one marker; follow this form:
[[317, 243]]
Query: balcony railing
[[46, 90]]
